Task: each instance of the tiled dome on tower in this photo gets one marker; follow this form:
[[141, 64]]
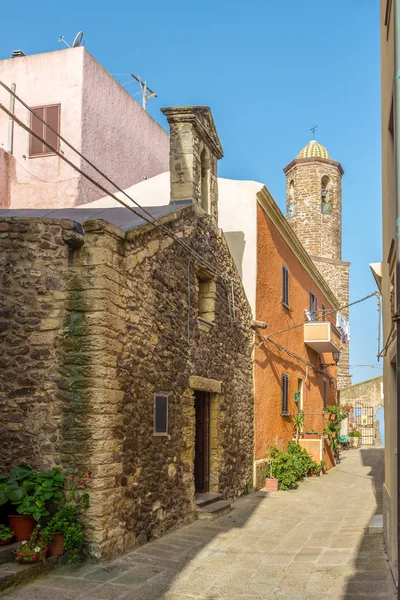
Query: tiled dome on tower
[[313, 150]]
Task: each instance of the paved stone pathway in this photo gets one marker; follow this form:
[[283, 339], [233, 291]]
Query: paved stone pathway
[[309, 543]]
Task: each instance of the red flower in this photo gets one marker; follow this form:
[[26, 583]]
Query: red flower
[[81, 482], [73, 478], [33, 557], [89, 474], [19, 555]]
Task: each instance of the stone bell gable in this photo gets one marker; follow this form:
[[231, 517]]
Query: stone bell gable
[[194, 153]]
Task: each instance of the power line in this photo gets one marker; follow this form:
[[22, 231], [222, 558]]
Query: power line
[[326, 312], [152, 220]]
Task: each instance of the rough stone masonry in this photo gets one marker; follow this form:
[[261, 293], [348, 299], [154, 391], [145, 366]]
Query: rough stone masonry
[[95, 320]]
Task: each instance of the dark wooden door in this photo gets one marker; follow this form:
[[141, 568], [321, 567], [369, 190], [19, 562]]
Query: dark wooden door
[[202, 443]]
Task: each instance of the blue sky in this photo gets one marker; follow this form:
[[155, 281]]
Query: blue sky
[[269, 71]]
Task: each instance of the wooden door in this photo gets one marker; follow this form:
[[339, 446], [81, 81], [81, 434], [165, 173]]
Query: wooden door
[[202, 442]]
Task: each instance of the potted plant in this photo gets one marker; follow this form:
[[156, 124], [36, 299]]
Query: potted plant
[[64, 532], [31, 551], [271, 483], [6, 535], [355, 436], [31, 493]]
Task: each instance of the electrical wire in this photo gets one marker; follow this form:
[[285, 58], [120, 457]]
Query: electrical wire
[[152, 220], [327, 312], [35, 176]]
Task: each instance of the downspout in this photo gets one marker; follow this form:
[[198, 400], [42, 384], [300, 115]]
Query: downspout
[[396, 103]]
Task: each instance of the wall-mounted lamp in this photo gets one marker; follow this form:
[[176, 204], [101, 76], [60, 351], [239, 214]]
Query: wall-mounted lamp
[[336, 358]]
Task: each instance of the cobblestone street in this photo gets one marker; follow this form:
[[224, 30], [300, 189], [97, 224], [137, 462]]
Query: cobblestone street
[[309, 543]]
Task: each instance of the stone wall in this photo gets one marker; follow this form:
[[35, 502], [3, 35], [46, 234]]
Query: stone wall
[[92, 327]]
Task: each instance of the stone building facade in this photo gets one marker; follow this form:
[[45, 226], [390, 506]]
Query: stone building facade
[[109, 325], [314, 210]]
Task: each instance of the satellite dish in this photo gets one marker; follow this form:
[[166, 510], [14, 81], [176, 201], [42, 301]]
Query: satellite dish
[[78, 39]]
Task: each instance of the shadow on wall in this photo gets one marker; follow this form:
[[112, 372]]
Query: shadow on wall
[[236, 243], [372, 575]]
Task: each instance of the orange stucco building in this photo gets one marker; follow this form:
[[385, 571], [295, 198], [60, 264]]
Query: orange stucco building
[[288, 377]]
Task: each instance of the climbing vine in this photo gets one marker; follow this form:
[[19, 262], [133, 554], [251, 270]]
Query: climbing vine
[[332, 429]]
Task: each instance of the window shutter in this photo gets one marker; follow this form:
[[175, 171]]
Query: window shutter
[[160, 415], [285, 285], [52, 118], [285, 394], [35, 146]]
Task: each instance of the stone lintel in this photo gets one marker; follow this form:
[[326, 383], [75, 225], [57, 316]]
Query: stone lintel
[[327, 161], [205, 385]]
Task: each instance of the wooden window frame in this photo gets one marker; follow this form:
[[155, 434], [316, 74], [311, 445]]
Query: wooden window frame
[[155, 432], [50, 152], [285, 395], [285, 286]]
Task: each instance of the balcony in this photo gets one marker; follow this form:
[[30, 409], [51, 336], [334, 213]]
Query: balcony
[[322, 337]]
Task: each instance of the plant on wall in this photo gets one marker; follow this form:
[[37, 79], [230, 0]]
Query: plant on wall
[[298, 422], [332, 430]]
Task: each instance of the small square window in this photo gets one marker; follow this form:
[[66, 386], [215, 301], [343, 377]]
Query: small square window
[[160, 414]]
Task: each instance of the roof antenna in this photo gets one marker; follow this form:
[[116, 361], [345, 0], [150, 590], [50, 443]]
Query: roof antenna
[[313, 129], [145, 88], [77, 40]]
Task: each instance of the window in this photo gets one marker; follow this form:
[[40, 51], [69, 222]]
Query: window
[[50, 114], [207, 293], [323, 312], [285, 286], [205, 181], [313, 306], [160, 415], [326, 207], [324, 393], [285, 394], [358, 412]]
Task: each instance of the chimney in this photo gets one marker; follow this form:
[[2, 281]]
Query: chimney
[[193, 156]]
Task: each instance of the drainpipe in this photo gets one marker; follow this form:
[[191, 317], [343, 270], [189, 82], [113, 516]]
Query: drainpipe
[[396, 99], [10, 142]]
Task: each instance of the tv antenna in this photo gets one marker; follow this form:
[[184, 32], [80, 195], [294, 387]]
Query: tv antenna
[[147, 92], [313, 129], [77, 40]]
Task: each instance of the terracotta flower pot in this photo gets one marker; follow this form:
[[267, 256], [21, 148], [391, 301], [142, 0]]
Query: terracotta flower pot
[[22, 526], [55, 547], [271, 484]]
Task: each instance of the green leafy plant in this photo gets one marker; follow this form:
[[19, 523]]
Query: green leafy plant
[[355, 433], [332, 429], [5, 533], [31, 492], [291, 465], [32, 551], [66, 518], [298, 422], [15, 487]]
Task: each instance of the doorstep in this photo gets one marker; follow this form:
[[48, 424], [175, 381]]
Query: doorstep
[[12, 574]]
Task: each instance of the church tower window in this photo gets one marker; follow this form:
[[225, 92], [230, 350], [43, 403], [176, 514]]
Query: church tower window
[[326, 207]]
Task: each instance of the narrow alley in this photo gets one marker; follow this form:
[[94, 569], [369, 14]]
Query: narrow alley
[[306, 544]]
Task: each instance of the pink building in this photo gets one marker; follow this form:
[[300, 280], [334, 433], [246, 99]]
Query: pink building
[[71, 91]]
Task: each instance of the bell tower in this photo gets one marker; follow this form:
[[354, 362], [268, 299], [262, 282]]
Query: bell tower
[[314, 210]]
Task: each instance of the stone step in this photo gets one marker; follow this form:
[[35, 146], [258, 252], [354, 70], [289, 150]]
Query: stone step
[[214, 510], [6, 552], [13, 575], [208, 498], [376, 524]]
